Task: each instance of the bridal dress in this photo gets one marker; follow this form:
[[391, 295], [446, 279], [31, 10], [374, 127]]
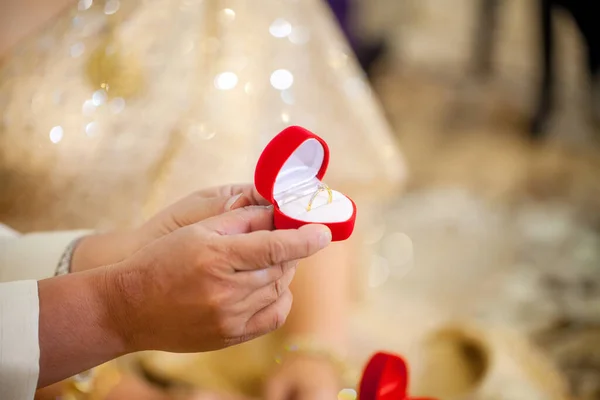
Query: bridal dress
[[115, 108]]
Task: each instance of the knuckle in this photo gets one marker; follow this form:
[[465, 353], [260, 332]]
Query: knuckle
[[224, 329], [288, 266], [214, 303], [268, 296], [276, 252], [193, 237], [195, 232], [214, 245], [216, 255], [280, 315], [219, 301], [278, 288], [223, 324], [277, 272], [310, 247], [279, 318]]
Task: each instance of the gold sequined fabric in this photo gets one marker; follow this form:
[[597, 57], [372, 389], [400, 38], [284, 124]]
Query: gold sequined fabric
[[117, 108]]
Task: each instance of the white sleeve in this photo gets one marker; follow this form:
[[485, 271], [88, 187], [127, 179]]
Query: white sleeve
[[19, 345], [33, 255]]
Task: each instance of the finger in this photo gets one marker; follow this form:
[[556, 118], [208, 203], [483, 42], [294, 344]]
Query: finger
[[241, 220], [259, 278], [271, 317], [269, 294], [262, 249], [247, 189], [194, 208]]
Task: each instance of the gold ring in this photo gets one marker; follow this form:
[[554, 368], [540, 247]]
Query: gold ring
[[322, 187]]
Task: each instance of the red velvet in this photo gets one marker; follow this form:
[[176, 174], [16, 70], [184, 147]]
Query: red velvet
[[270, 162], [385, 378]]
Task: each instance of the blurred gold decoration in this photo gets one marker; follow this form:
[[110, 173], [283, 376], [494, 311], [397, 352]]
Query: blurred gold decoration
[[160, 172], [94, 384], [114, 68]]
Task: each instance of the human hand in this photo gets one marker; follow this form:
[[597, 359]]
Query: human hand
[[304, 377], [209, 285], [112, 247], [197, 207]]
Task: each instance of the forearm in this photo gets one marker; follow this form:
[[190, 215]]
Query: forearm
[[76, 329], [320, 291], [103, 249]]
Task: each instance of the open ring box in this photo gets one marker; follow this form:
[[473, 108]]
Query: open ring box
[[385, 378], [288, 174]]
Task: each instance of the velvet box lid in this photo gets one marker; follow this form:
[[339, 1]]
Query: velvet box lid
[[289, 174], [385, 378]]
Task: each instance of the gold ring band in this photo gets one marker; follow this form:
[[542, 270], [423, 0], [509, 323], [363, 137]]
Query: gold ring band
[[321, 188]]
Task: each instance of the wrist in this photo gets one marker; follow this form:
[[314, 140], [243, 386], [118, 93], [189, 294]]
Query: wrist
[[117, 293], [76, 328], [311, 347], [104, 249], [308, 348]]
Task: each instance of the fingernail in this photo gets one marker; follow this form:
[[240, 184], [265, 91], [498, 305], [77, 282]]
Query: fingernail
[[231, 202], [270, 208], [324, 238]]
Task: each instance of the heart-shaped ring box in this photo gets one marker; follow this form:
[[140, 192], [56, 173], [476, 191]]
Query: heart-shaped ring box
[[288, 174], [385, 378]]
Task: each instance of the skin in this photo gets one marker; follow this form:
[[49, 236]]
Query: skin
[[320, 312], [20, 19], [200, 287]]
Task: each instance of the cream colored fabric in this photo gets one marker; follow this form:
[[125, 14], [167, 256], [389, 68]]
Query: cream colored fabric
[[23, 260], [19, 348], [184, 111], [32, 256]]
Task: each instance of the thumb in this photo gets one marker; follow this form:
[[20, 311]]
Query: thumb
[[260, 249]]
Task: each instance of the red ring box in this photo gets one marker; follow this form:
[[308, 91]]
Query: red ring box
[[385, 378], [288, 174]]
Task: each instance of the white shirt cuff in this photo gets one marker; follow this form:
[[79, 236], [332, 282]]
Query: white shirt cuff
[[19, 341]]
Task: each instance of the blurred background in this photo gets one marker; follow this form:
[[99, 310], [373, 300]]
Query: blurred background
[[496, 115], [484, 269]]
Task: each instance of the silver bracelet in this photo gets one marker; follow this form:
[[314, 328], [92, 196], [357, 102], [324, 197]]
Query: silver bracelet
[[64, 265]]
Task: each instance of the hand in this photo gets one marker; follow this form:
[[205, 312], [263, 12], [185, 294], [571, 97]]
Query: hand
[[304, 377], [209, 285], [113, 247], [196, 207]]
